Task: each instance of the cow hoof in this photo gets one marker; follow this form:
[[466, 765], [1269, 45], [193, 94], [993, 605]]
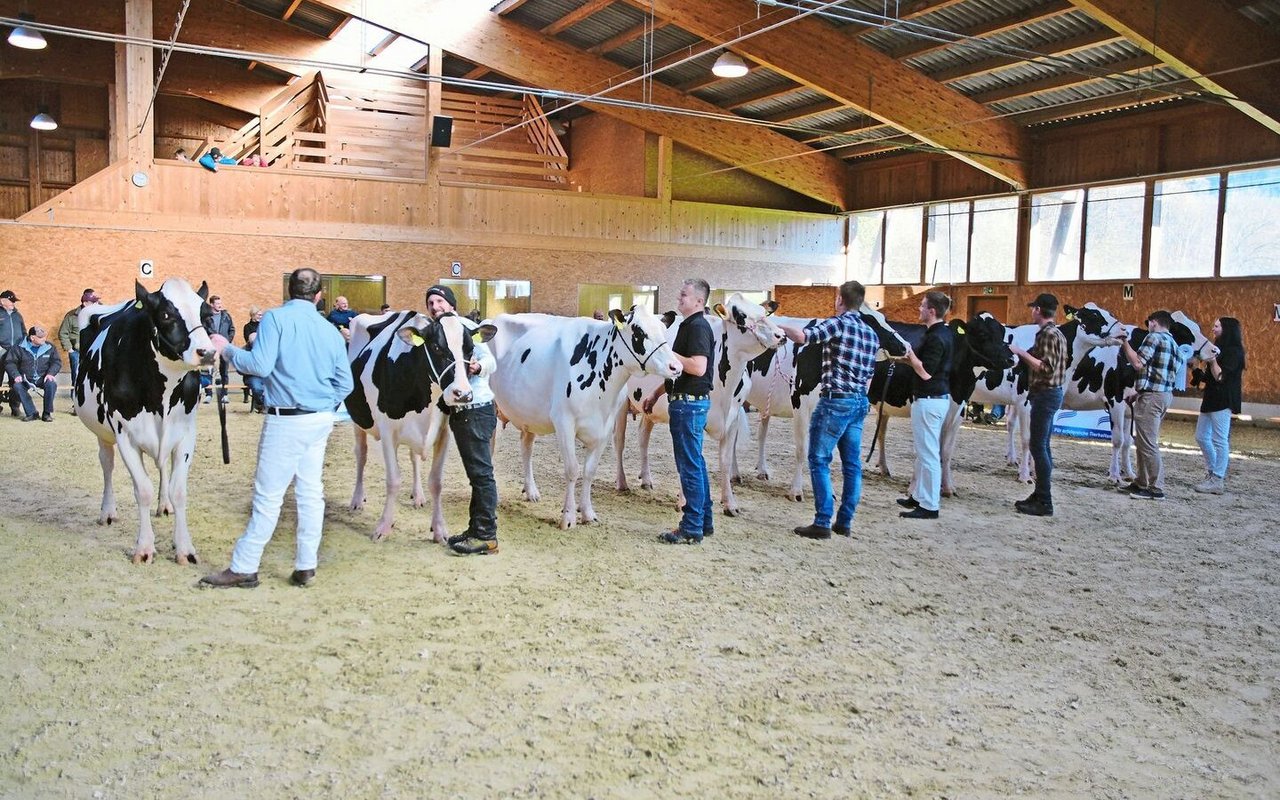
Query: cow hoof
[[356, 505], [186, 559], [379, 535], [949, 493], [646, 485], [144, 557], [532, 497], [566, 523], [736, 480], [762, 475], [731, 512], [795, 497]]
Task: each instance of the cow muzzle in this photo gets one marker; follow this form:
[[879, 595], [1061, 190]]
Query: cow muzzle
[[206, 357], [460, 397]]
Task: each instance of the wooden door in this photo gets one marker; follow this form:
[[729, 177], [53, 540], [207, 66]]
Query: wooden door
[[997, 305]]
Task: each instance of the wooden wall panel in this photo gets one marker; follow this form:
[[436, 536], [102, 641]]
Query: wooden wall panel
[[607, 156]]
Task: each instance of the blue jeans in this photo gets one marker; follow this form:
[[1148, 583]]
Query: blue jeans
[[1044, 405], [73, 356], [836, 423], [688, 419], [1213, 434], [22, 391]]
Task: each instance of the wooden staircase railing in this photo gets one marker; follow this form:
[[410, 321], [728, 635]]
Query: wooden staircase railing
[[530, 156]]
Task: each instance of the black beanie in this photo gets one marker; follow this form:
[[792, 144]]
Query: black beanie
[[446, 293]]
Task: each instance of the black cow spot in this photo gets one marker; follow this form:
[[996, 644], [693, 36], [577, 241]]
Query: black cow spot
[[722, 364], [568, 389], [637, 395], [525, 355], [580, 350], [639, 341], [761, 363], [807, 361]]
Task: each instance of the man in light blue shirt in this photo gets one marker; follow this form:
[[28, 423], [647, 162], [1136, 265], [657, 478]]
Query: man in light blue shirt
[[303, 360]]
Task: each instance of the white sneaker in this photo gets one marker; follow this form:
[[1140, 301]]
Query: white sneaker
[[207, 399], [226, 401], [1211, 485]]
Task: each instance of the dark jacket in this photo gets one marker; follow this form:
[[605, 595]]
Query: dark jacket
[[12, 328], [32, 363], [222, 323]]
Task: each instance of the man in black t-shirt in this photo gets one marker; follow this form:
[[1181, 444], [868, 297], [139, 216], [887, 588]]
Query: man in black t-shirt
[[931, 400], [689, 398]]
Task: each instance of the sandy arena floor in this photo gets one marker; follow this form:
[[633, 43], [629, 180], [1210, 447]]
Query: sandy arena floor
[[1119, 650]]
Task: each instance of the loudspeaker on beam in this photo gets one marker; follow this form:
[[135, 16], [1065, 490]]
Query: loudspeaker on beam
[[441, 131]]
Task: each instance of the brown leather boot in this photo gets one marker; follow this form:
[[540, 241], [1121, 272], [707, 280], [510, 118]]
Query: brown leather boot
[[227, 578]]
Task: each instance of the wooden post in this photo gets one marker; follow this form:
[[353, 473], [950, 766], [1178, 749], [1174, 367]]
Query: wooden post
[[134, 82], [435, 67]]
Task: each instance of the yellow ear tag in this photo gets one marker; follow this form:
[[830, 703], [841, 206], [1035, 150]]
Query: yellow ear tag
[[138, 304], [1070, 317], [619, 325], [417, 340], [960, 330]]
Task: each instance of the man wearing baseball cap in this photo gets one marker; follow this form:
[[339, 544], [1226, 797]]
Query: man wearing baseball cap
[[1047, 369], [69, 333], [473, 426], [12, 331]]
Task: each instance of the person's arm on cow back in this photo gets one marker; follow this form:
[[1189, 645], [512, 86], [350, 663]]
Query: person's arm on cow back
[[341, 379]]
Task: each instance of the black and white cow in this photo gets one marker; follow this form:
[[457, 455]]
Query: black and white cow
[[138, 390], [741, 330], [566, 376], [785, 383], [405, 364], [980, 346]]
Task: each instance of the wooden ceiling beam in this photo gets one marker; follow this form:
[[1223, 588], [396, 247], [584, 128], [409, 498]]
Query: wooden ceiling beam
[[474, 33], [1218, 48], [863, 78], [1098, 105], [770, 93], [1054, 8], [796, 114], [1129, 66], [507, 6], [577, 15], [626, 37]]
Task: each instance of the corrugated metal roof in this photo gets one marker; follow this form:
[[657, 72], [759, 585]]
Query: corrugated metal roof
[[798, 99], [761, 79], [1028, 37], [604, 24]]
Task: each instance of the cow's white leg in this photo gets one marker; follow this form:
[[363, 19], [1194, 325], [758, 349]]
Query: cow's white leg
[[144, 492], [184, 550], [165, 464], [572, 471], [435, 483], [727, 499], [1126, 470], [1024, 442], [646, 435], [595, 451], [800, 429], [388, 519], [619, 450], [419, 499], [107, 458], [362, 455], [950, 428], [1011, 437], [530, 490], [882, 431], [762, 460]]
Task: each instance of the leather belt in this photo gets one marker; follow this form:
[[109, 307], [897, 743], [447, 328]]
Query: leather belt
[[934, 397], [838, 395], [288, 412], [689, 397], [468, 406]]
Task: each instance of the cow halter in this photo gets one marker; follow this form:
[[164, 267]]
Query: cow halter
[[644, 363]]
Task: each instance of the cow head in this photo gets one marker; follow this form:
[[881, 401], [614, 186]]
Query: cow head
[[986, 337], [448, 346], [1186, 332], [643, 337], [891, 342], [1095, 323], [179, 317], [752, 320]]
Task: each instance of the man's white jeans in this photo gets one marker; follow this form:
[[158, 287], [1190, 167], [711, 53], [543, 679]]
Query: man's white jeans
[[927, 417], [290, 447]]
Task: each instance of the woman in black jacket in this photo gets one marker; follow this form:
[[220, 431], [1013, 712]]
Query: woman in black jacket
[[1221, 377]]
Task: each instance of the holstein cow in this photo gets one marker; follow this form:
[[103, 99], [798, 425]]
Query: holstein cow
[[138, 391], [785, 383], [566, 376], [1083, 329], [405, 365], [980, 346], [741, 330], [1099, 378]]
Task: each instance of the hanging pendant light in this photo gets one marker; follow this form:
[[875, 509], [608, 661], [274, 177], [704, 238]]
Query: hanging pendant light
[[729, 65], [43, 122], [27, 38]]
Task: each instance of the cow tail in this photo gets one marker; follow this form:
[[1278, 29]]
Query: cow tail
[[222, 415], [880, 413]]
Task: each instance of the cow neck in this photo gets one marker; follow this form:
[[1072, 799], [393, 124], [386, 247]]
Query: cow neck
[[643, 363]]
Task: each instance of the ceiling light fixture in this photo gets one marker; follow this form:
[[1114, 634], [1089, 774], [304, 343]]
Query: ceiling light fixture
[[729, 65], [43, 122], [27, 38]]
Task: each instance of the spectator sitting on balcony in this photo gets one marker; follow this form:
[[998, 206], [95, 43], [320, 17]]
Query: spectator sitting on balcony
[[213, 158], [253, 160]]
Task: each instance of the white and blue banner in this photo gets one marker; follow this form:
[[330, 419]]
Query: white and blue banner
[[1083, 424]]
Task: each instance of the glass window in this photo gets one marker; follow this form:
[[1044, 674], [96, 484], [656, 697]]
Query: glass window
[[1184, 227], [490, 297], [757, 296], [902, 243], [946, 251], [866, 247], [364, 293], [994, 248], [1113, 232], [1251, 225], [1054, 252], [604, 297]]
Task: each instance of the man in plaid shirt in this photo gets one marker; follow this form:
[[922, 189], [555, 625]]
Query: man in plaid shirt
[[1157, 361], [1047, 365], [849, 348]]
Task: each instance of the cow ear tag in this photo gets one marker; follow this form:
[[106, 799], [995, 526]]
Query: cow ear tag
[[720, 310], [619, 325], [138, 304], [960, 330], [417, 340]]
